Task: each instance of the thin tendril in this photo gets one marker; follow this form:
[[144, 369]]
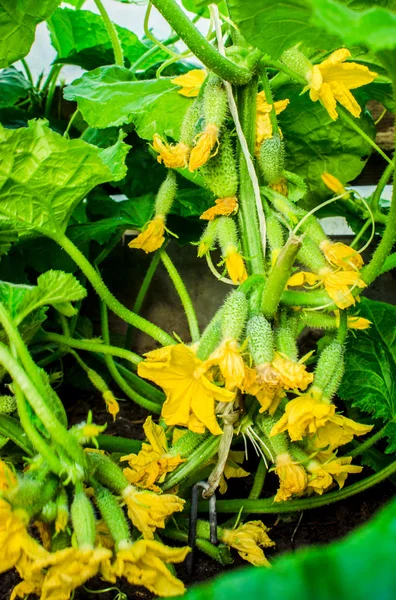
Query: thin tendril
[[372, 223], [215, 271], [314, 210], [152, 37]]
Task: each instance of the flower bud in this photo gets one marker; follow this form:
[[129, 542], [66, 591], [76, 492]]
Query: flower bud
[[234, 315], [261, 340]]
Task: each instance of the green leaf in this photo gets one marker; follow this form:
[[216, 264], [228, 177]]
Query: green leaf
[[374, 28], [43, 176], [109, 96], [355, 568], [316, 144], [13, 87], [18, 21], [370, 363], [81, 38], [276, 25]]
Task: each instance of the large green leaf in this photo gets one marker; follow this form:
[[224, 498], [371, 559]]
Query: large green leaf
[[18, 21], [13, 87], [81, 38], [276, 25], [43, 176], [109, 96], [358, 568], [370, 364], [316, 144]]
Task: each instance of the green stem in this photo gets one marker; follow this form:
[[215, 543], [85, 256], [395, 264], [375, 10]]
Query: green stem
[[199, 456], [205, 546], [258, 482], [308, 299], [199, 46], [10, 428], [154, 50], [142, 295], [361, 448], [70, 123], [247, 214], [279, 276], [279, 66], [118, 444], [104, 293], [351, 122], [28, 72], [52, 79], [118, 378], [361, 232], [373, 269], [53, 72], [111, 30], [90, 346], [183, 295], [342, 328], [36, 439], [376, 197], [142, 386], [268, 505]]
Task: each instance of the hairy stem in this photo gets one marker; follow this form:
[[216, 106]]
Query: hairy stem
[[111, 30]]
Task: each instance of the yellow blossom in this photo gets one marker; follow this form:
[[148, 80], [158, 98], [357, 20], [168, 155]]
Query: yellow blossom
[[266, 387], [338, 430], [230, 362], [294, 375], [334, 184], [303, 415], [174, 156], [263, 120], [338, 284], [249, 540], [32, 576], [341, 255], [292, 478], [148, 511], [323, 473], [235, 265], [202, 151], [354, 321], [8, 479], [331, 82], [223, 206], [280, 186], [152, 463], [190, 82], [152, 237], [68, 569], [112, 405], [144, 563], [190, 395], [232, 469]]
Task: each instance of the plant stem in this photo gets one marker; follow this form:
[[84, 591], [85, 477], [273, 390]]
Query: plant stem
[[247, 214], [361, 448], [199, 456], [123, 445], [10, 428], [70, 123], [203, 545], [308, 299], [118, 378], [183, 295], [104, 293], [142, 386], [361, 232], [277, 64], [376, 197], [373, 269], [142, 295], [268, 505], [259, 480], [51, 79], [347, 119], [90, 346], [111, 30], [279, 276], [28, 72], [196, 42]]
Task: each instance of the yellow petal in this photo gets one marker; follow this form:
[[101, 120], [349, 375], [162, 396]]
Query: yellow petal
[[303, 277], [174, 156], [190, 82], [155, 435], [235, 266], [202, 151], [292, 478], [338, 430], [334, 184], [249, 540], [223, 206], [228, 357], [341, 255], [293, 375], [148, 511], [339, 286], [152, 237]]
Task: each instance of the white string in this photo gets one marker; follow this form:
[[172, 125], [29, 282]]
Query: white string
[[242, 140]]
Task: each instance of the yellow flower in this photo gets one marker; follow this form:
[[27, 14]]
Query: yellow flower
[[249, 539], [354, 321], [263, 121], [331, 82], [202, 151], [341, 255], [190, 396], [338, 284], [338, 430], [148, 511], [144, 563], [223, 206], [280, 186], [112, 405], [266, 386], [292, 478], [190, 82], [152, 237], [8, 479], [293, 374], [68, 569], [152, 463], [174, 156], [232, 469], [323, 473], [230, 362], [334, 184], [235, 265], [303, 415], [32, 577]]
